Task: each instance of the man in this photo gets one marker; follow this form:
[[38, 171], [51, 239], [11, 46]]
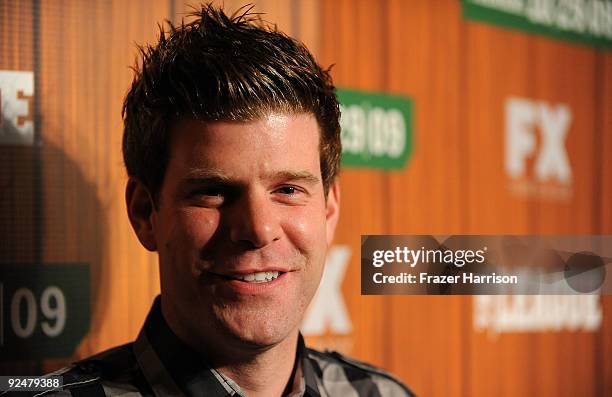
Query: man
[[232, 147]]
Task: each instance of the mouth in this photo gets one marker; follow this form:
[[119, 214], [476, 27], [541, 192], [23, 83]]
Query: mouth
[[243, 281], [255, 278]]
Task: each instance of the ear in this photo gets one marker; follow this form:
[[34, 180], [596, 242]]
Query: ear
[[141, 211], [332, 210]]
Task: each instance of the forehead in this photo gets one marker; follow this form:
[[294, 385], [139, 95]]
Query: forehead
[[275, 124], [276, 140]]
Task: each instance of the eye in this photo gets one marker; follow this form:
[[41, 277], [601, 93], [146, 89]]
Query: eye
[[208, 192], [289, 190], [211, 191], [210, 196], [291, 195]]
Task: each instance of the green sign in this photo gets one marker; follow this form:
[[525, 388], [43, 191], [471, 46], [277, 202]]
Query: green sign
[[44, 310], [376, 129], [586, 21]]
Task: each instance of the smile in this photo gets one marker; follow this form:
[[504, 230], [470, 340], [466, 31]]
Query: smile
[[259, 277], [256, 282]]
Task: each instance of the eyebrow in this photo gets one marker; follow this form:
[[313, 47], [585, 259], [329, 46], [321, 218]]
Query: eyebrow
[[207, 175], [303, 176], [211, 175]]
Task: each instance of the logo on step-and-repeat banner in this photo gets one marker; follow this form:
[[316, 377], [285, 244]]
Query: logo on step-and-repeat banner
[[536, 158], [16, 107], [377, 129], [582, 21]]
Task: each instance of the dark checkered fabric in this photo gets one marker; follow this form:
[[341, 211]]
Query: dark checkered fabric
[[159, 364]]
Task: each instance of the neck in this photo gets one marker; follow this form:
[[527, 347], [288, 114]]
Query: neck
[[259, 371], [263, 373]]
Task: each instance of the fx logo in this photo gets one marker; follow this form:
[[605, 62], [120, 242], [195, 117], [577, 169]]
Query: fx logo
[[16, 107], [552, 122], [327, 309]]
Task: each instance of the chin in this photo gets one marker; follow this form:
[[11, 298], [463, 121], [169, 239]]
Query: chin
[[259, 331]]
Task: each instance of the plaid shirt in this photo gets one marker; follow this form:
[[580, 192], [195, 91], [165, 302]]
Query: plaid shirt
[[159, 364]]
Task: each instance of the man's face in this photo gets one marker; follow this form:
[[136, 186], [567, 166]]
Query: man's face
[[242, 228]]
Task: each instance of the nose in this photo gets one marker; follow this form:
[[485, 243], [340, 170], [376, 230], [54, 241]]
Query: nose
[[254, 222]]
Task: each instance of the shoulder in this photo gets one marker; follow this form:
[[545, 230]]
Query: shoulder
[[336, 371], [113, 372]]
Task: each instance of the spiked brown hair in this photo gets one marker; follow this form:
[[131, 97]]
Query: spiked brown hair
[[229, 68]]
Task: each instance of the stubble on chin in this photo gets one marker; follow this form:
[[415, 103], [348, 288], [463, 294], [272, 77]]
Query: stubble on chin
[[256, 324]]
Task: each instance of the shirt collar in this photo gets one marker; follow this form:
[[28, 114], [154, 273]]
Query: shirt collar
[[305, 379], [173, 368]]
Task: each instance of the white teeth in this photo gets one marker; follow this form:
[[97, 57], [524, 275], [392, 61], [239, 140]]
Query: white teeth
[[259, 277]]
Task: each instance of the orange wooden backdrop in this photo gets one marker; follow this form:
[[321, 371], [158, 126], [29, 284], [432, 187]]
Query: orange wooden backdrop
[[458, 73]]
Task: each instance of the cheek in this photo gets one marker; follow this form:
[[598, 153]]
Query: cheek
[[187, 231], [306, 231], [198, 224]]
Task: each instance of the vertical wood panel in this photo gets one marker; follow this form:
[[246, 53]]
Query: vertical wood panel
[[308, 16], [497, 65], [17, 163], [564, 73], [604, 84], [362, 206], [83, 77], [425, 198]]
